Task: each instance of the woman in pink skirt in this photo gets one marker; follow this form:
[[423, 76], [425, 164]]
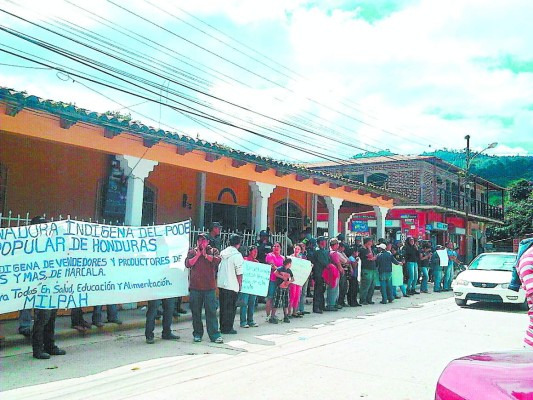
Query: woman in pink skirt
[[295, 291]]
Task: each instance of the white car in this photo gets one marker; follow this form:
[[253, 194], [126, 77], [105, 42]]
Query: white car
[[487, 279]]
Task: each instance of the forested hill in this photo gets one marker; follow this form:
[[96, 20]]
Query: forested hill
[[502, 170]]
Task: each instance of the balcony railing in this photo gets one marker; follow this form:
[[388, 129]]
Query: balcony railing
[[459, 202]]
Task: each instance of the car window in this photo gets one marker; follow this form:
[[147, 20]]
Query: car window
[[502, 262]]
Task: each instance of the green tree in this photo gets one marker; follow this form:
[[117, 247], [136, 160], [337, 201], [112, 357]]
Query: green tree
[[520, 190]]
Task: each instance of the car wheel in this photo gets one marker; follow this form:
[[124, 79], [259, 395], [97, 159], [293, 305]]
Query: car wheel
[[524, 306], [460, 303]]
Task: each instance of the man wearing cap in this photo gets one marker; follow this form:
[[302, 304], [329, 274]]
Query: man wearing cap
[[229, 283], [264, 246], [203, 261], [214, 238], [368, 272], [320, 262], [384, 264], [44, 325]]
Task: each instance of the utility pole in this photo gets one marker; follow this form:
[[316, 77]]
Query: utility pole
[[467, 198]]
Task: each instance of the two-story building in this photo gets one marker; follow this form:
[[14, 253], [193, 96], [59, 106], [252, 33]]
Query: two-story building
[[440, 200]]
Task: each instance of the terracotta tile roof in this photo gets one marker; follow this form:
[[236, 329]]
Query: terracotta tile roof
[[21, 100]]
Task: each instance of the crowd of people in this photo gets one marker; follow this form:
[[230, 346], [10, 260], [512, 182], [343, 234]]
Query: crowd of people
[[342, 275]]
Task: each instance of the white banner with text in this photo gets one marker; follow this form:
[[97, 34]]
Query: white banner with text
[[69, 264]]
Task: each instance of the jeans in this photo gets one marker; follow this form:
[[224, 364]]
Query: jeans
[[24, 320], [247, 311], [353, 289], [76, 317], [332, 295], [301, 305], [385, 282], [368, 279], [228, 309], [112, 313], [151, 313], [199, 299], [448, 277], [412, 268], [425, 277], [318, 293], [437, 276], [43, 331], [343, 289]]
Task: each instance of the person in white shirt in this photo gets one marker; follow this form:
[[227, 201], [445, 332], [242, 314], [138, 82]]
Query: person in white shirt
[[229, 283]]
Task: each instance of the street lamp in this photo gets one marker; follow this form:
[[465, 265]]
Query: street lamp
[[467, 187]]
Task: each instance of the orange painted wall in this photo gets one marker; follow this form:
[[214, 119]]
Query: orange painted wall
[[215, 183], [172, 183], [51, 178]]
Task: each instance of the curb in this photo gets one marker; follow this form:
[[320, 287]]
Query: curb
[[19, 340]]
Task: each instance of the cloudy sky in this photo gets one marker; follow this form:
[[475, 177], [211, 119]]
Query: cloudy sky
[[294, 80]]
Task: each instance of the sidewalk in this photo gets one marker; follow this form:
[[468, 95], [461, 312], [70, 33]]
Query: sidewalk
[[131, 319]]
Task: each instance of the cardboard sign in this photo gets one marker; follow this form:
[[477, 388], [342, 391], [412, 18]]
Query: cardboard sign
[[255, 278], [300, 270]]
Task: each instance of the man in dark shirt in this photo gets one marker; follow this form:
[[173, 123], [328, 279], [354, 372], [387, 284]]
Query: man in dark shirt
[[320, 261], [264, 246], [214, 238], [369, 273], [44, 325], [203, 261]]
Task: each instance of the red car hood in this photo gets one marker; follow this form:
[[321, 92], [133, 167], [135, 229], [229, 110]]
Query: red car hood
[[506, 375]]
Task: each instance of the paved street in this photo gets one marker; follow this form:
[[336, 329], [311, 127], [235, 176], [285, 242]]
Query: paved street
[[376, 352]]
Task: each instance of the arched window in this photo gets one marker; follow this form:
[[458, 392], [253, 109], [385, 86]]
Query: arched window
[[378, 179], [293, 219]]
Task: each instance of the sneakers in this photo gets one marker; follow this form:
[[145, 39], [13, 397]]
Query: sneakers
[[273, 320], [197, 339], [170, 336], [56, 351], [150, 340], [98, 324], [25, 332], [253, 325], [115, 321], [218, 340], [245, 326], [41, 355], [286, 320]]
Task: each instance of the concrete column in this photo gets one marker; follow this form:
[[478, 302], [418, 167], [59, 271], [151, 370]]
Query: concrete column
[[201, 179], [381, 215], [260, 195], [333, 204], [137, 170], [314, 213]]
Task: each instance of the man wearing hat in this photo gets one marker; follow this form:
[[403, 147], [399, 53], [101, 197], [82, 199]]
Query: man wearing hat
[[44, 326], [320, 262], [229, 283], [203, 261], [368, 271], [214, 238], [264, 246]]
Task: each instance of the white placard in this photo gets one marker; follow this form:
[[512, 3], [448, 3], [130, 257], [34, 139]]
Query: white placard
[[300, 270], [443, 256], [255, 278]]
